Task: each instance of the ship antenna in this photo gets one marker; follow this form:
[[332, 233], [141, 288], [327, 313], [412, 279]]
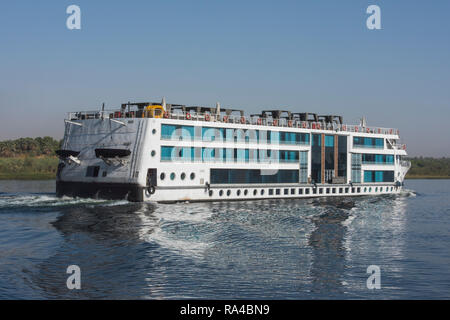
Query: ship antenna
[[103, 110], [363, 122], [163, 103], [217, 110]]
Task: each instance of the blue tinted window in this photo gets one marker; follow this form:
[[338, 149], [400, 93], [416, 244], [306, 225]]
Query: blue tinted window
[[167, 130], [166, 153], [367, 176], [329, 141]]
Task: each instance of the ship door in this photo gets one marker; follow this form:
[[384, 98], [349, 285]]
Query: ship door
[[151, 178]]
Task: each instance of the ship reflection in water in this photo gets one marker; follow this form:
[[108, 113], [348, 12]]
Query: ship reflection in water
[[259, 249]]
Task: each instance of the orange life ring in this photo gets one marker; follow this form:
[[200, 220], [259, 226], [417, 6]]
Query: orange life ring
[[275, 122], [259, 121], [166, 114], [207, 118], [313, 126], [243, 120], [225, 118], [344, 128], [188, 116], [290, 123], [303, 124], [356, 129], [318, 126]]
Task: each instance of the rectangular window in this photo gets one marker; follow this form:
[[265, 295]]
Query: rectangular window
[[303, 166], [177, 132], [368, 142], [378, 176], [208, 154], [377, 159], [316, 158], [166, 153], [229, 135], [167, 131], [240, 155], [368, 176], [356, 167], [329, 141], [275, 137], [234, 176], [92, 171]]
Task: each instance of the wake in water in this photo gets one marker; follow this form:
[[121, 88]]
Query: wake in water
[[11, 201]]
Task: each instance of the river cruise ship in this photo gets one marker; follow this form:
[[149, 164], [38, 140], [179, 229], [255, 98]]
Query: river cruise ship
[[165, 152]]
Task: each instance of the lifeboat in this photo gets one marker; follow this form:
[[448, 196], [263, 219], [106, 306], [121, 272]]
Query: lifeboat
[[112, 153]]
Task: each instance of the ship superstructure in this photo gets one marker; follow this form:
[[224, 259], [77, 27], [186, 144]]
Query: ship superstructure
[[171, 152]]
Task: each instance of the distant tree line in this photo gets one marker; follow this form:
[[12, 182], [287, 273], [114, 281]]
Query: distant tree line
[[29, 147], [438, 167]]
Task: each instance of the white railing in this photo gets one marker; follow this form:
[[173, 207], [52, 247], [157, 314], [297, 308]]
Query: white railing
[[252, 120]]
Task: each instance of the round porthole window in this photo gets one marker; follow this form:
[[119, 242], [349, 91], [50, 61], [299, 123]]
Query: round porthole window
[[255, 192], [238, 192], [162, 176], [153, 153], [192, 176], [183, 176], [210, 193], [370, 189], [245, 192], [172, 176], [154, 131], [228, 192], [221, 193], [365, 189], [376, 189], [262, 191]]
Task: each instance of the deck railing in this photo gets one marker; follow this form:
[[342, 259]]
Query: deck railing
[[252, 120]]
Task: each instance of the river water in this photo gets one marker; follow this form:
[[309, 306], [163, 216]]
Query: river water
[[273, 249]]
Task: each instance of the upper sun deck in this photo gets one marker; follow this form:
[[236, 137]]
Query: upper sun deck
[[267, 118]]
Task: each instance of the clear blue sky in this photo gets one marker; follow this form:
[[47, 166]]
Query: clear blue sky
[[313, 56]]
